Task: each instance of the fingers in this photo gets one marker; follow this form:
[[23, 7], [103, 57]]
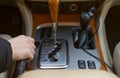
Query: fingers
[[31, 56], [22, 47], [31, 48], [29, 53], [30, 44], [31, 41]]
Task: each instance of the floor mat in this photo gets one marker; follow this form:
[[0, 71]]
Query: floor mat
[[112, 24]]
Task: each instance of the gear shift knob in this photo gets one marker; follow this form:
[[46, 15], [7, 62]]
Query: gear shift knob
[[83, 32], [84, 20], [54, 8]]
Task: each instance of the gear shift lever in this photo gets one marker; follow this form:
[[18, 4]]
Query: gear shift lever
[[53, 7], [84, 20], [84, 35]]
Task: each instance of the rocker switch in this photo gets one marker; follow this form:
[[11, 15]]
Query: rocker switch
[[91, 64], [81, 64]]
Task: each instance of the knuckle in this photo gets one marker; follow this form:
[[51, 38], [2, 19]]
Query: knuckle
[[31, 56], [22, 36], [27, 40], [28, 45], [28, 50]]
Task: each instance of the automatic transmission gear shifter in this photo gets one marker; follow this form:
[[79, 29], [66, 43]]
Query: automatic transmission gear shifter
[[53, 53], [82, 35], [54, 8], [84, 20]]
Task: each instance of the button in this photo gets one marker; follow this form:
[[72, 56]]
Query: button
[[81, 64], [91, 64]]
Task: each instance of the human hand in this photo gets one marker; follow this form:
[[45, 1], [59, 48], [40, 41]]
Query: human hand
[[22, 48]]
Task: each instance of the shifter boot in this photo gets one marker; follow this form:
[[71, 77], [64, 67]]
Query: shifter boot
[[83, 39]]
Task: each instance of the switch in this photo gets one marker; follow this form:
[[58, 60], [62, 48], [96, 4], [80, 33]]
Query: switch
[[81, 64], [91, 64]]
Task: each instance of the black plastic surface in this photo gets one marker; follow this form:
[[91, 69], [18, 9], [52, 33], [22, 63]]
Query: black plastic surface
[[81, 38], [91, 64], [82, 6], [81, 64]]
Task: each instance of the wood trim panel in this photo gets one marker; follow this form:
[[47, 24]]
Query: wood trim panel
[[45, 18], [54, 9], [42, 18], [39, 19], [93, 26]]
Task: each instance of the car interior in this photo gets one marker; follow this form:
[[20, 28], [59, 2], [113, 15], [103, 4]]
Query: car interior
[[73, 38]]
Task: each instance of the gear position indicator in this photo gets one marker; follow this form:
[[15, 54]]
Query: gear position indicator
[[53, 56]]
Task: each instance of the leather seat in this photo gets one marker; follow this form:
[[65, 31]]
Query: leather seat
[[116, 59], [5, 36], [68, 74]]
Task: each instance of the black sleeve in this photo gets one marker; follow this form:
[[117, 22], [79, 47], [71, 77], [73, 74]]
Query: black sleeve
[[5, 55]]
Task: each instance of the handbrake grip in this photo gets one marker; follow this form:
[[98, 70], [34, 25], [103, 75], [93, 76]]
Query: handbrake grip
[[19, 68]]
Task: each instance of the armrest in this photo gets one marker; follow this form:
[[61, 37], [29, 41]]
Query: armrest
[[116, 58], [68, 74]]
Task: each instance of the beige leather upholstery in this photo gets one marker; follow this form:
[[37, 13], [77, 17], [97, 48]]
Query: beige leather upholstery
[[5, 36], [26, 15], [68, 74], [116, 59]]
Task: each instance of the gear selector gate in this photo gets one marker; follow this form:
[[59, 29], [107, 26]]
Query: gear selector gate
[[52, 56]]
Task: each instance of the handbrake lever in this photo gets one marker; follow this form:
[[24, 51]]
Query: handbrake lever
[[54, 9], [19, 68]]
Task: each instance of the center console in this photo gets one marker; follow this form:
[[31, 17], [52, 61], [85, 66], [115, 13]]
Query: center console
[[68, 56], [71, 46], [69, 42], [76, 47]]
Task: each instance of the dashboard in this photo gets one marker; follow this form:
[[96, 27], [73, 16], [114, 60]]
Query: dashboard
[[40, 12], [66, 6], [63, 0], [70, 10], [70, 14]]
